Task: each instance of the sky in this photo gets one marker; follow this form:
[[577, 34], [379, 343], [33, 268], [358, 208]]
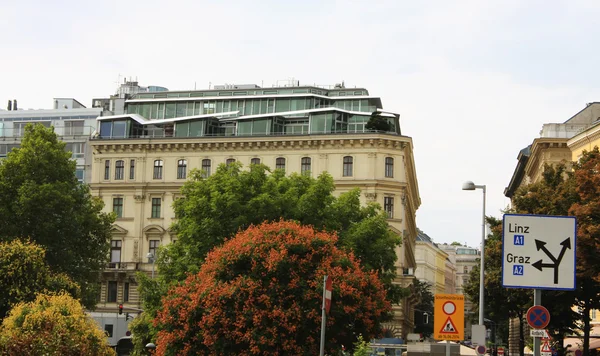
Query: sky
[[473, 81]]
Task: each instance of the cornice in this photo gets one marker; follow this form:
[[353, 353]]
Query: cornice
[[584, 138], [280, 143]]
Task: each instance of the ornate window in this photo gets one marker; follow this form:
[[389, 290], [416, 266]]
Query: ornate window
[[348, 164], [107, 169], [158, 169], [118, 207], [132, 169], [181, 169], [388, 206], [156, 204], [305, 165], [230, 161], [389, 167], [255, 161], [280, 163], [119, 170], [206, 168]]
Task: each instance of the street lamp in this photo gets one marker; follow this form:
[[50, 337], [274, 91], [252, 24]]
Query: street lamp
[[151, 258], [472, 186]]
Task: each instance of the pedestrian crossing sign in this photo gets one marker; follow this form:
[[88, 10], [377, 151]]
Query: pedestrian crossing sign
[[449, 317]]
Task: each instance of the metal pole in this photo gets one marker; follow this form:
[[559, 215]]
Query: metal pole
[[537, 300], [481, 268], [447, 348], [152, 268], [323, 316]]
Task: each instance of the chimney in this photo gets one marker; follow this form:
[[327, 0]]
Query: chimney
[[9, 107], [15, 104]]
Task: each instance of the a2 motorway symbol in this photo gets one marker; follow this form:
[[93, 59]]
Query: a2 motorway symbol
[[541, 245]]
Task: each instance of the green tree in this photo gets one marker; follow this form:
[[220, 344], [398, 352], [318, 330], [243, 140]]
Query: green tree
[[378, 123], [41, 199], [260, 294], [52, 325], [24, 273], [232, 199], [423, 324]]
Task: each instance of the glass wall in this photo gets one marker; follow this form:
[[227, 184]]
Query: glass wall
[[321, 123]]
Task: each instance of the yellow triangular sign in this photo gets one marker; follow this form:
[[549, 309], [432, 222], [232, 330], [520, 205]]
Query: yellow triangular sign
[[546, 347], [449, 327]]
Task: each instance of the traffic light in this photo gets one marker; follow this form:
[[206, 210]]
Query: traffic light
[[127, 316], [120, 309]]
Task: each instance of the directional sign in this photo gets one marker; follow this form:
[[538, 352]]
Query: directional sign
[[538, 251], [449, 317], [538, 317]]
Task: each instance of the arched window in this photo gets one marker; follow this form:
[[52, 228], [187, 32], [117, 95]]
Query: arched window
[[158, 169], [348, 163], [280, 163], [305, 165], [230, 161], [206, 168], [119, 170], [181, 169], [389, 167], [255, 161]]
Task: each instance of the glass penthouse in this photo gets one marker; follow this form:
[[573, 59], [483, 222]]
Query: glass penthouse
[[254, 111]]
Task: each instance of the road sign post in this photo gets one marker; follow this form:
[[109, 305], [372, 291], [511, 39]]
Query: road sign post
[[449, 317]]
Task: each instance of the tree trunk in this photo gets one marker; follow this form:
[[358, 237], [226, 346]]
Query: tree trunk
[[521, 336], [586, 328]]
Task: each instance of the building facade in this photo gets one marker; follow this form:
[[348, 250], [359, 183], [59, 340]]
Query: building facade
[[431, 263], [143, 157], [72, 122]]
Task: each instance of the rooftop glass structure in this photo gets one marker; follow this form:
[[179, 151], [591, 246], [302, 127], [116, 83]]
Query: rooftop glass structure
[[246, 112]]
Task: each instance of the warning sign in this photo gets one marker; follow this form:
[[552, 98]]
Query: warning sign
[[545, 349], [449, 317], [449, 328]]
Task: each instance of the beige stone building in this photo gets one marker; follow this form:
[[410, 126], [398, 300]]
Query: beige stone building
[[143, 157], [432, 264]]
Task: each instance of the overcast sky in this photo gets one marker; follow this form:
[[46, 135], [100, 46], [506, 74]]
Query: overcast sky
[[473, 80]]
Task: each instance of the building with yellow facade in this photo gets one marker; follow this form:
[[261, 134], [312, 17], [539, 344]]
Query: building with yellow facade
[[143, 157], [431, 263]]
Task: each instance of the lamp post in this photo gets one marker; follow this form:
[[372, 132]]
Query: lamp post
[[151, 258], [472, 186]]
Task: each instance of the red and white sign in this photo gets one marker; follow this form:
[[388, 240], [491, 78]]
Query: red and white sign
[[327, 294], [545, 349], [500, 351]]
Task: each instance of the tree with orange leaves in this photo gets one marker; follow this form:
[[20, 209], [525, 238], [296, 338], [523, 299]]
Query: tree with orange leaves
[[260, 293]]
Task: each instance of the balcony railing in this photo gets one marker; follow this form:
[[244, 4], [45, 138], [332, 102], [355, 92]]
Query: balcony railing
[[61, 131], [128, 266]]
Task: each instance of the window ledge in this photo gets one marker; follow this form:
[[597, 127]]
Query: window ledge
[[125, 219], [156, 218]]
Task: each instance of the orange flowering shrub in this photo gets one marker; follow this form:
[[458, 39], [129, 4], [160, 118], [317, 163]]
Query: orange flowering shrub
[[260, 293]]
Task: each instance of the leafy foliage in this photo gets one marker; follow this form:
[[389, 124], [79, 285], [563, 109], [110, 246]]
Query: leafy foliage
[[378, 123], [24, 273], [426, 302], [41, 199], [260, 294], [52, 325]]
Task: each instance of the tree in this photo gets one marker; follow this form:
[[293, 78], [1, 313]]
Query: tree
[[586, 209], [24, 273], [260, 294], [41, 199], [423, 324], [378, 123], [52, 325], [231, 199]]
